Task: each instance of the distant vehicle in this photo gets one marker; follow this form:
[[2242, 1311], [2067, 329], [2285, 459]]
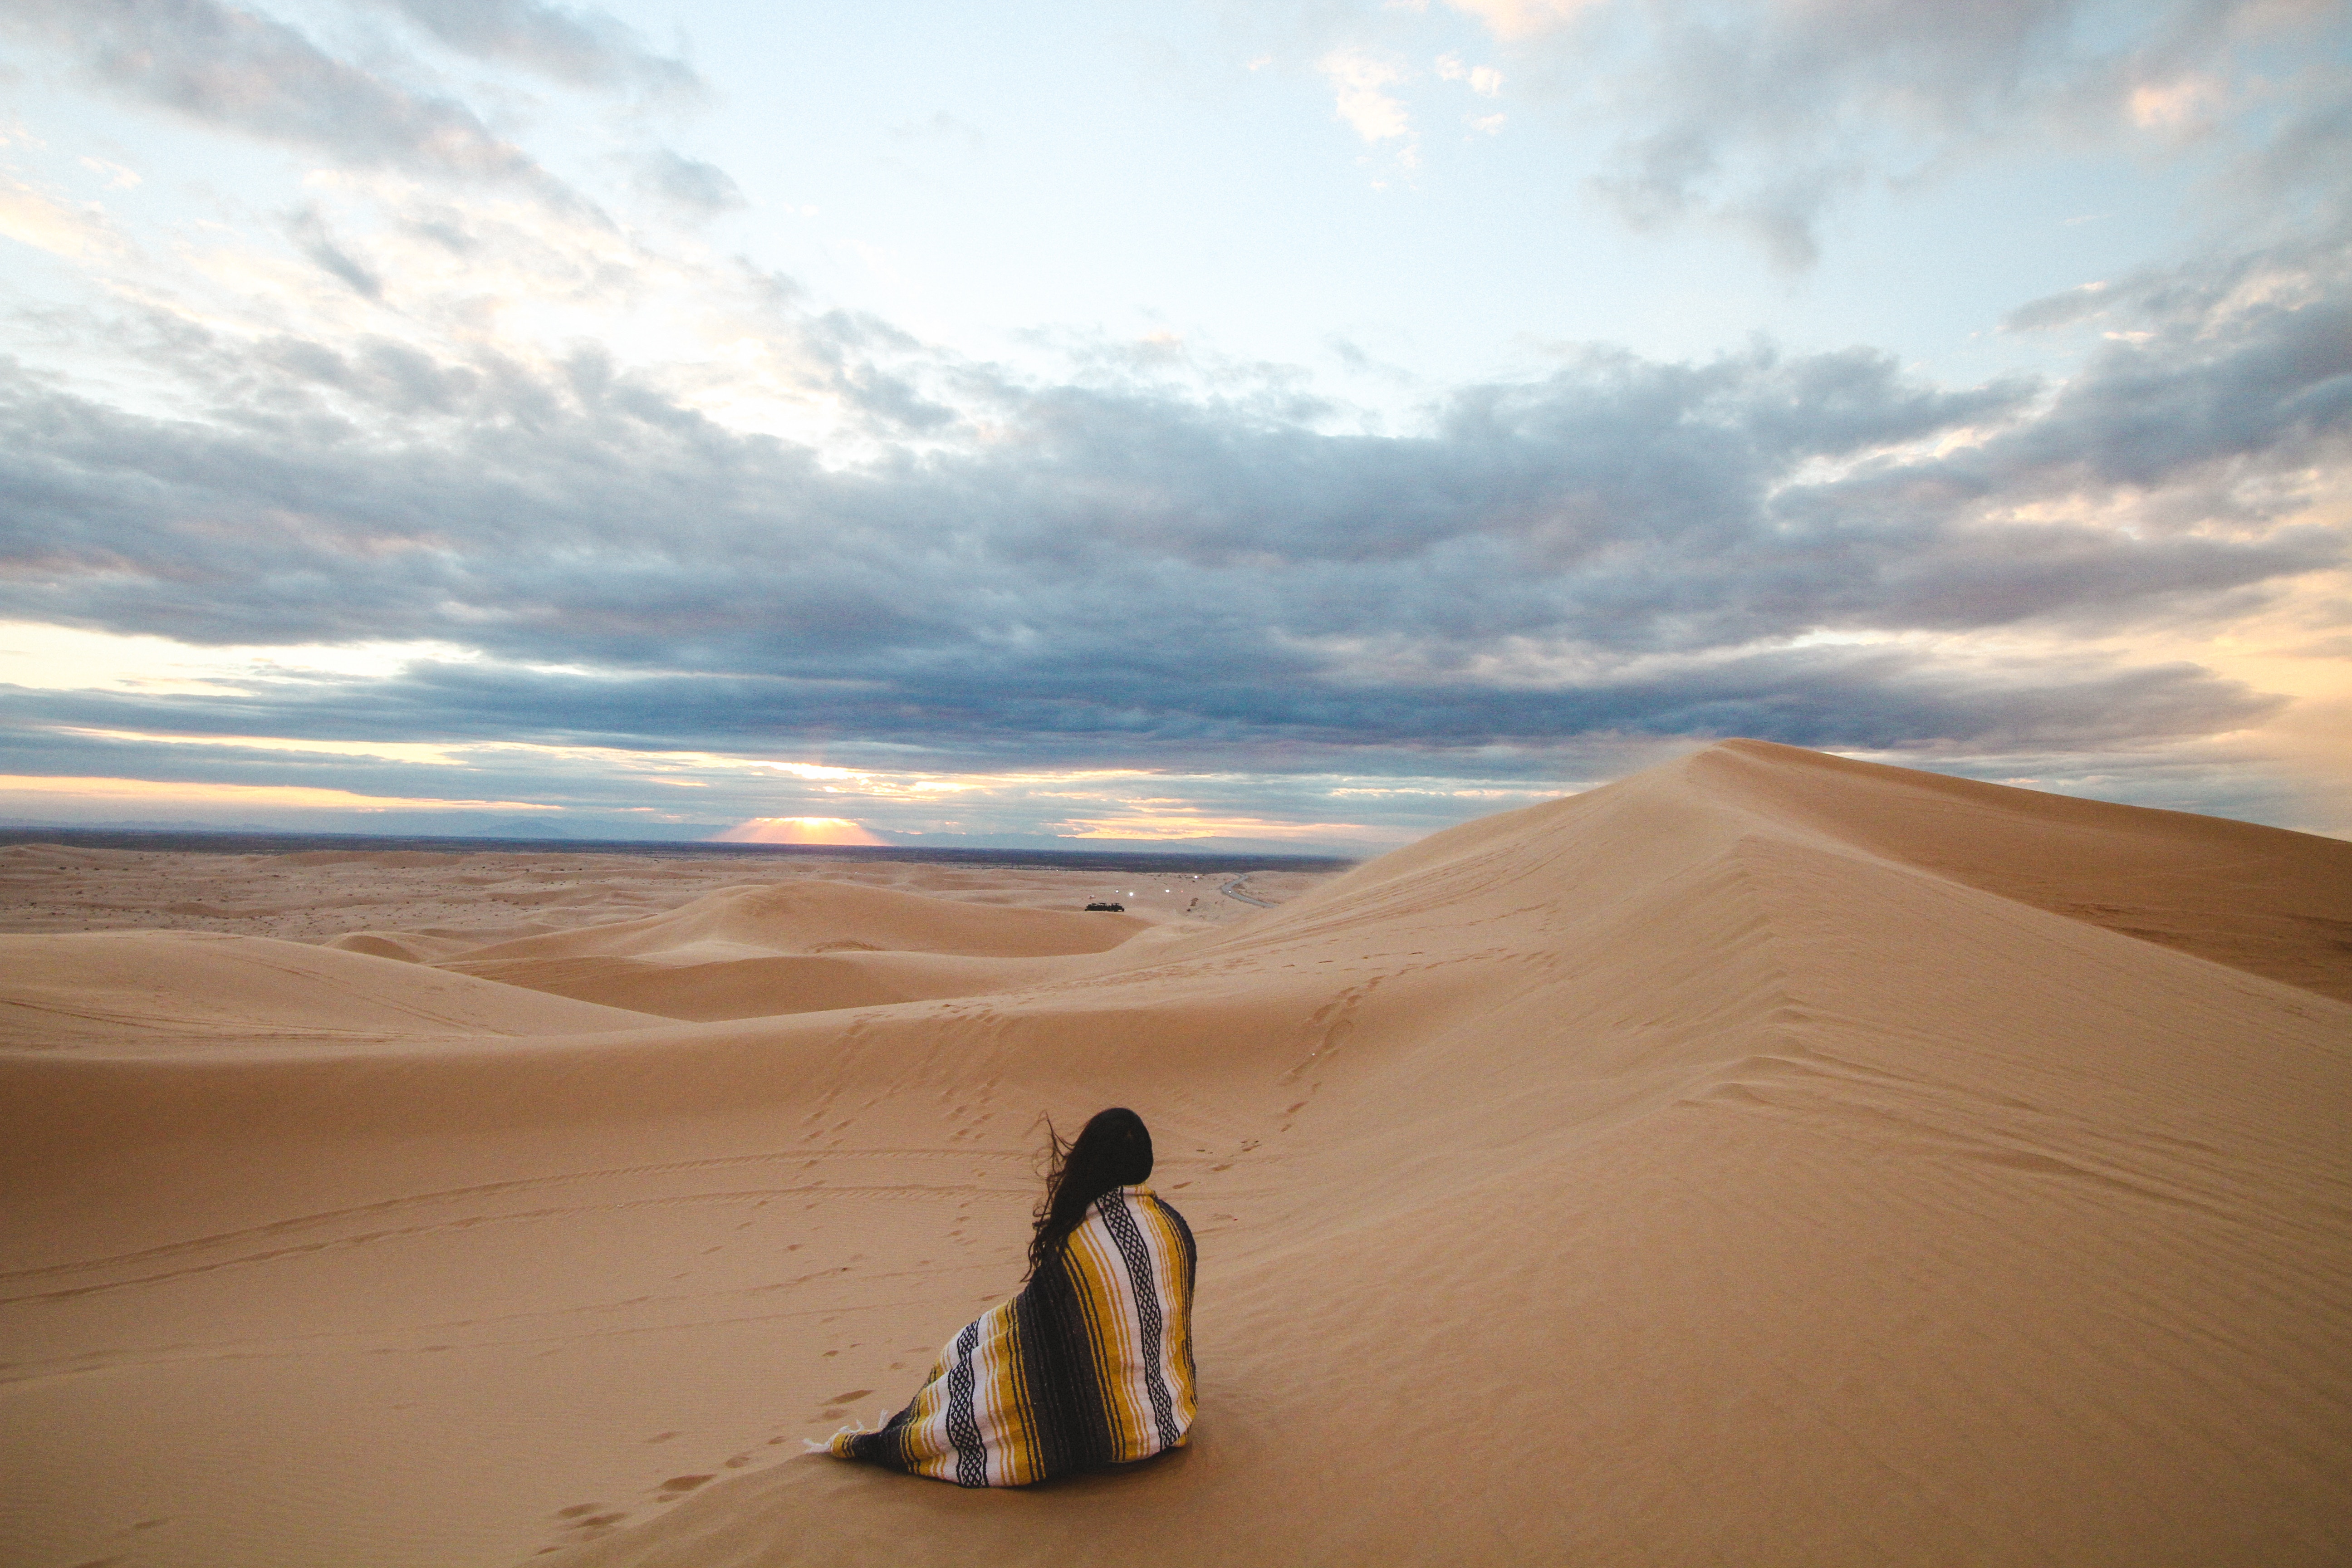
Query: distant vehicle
[[1113, 908]]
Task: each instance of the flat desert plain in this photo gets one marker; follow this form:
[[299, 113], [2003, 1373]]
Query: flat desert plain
[[1767, 1158]]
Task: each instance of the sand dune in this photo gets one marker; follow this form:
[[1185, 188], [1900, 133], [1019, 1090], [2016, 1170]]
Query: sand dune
[[161, 991], [2274, 903], [812, 917], [407, 946], [1765, 1159], [800, 947]]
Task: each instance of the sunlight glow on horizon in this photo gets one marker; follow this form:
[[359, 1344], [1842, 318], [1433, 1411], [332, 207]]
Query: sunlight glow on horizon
[[799, 830]]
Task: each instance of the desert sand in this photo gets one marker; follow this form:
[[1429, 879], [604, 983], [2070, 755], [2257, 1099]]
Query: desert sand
[[1765, 1159]]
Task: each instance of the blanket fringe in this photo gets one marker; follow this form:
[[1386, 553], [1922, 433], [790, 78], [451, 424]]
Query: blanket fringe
[[881, 1419]]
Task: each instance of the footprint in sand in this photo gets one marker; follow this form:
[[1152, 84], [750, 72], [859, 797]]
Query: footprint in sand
[[584, 1516]]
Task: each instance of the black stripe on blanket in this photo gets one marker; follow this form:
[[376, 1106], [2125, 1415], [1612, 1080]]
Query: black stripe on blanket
[[964, 1430], [1121, 1225], [1058, 1365]]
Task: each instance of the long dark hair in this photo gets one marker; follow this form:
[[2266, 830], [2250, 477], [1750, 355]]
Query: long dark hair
[[1113, 1150]]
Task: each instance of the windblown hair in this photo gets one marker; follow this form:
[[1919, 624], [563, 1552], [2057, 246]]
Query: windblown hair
[[1113, 1150]]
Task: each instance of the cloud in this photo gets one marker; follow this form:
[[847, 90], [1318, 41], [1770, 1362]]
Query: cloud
[[1232, 724], [1521, 18], [1154, 562], [116, 178], [240, 71], [1184, 823], [583, 48], [590, 513], [2187, 102], [2057, 309], [1764, 114], [18, 789], [700, 188], [309, 232], [1360, 83], [1485, 80], [1800, 547], [32, 218]]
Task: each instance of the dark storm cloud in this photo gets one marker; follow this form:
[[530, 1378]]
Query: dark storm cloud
[[1120, 573], [240, 71], [584, 46]]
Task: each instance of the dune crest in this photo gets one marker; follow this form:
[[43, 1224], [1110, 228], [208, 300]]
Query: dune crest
[[1765, 1158], [2259, 899]]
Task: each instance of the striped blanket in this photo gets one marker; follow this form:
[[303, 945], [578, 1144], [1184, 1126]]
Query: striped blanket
[[1091, 1365]]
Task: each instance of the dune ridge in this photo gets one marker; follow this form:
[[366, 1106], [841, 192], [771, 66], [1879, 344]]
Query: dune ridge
[[1768, 1158]]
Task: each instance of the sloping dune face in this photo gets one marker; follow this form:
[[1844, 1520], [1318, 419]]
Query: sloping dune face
[[751, 953], [830, 917], [1750, 1161], [2278, 904], [115, 991]]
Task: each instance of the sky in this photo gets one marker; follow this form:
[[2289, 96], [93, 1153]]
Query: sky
[[1240, 427]]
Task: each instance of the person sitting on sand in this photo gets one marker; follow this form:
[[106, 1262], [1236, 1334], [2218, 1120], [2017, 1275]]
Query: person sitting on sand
[[1091, 1363]]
